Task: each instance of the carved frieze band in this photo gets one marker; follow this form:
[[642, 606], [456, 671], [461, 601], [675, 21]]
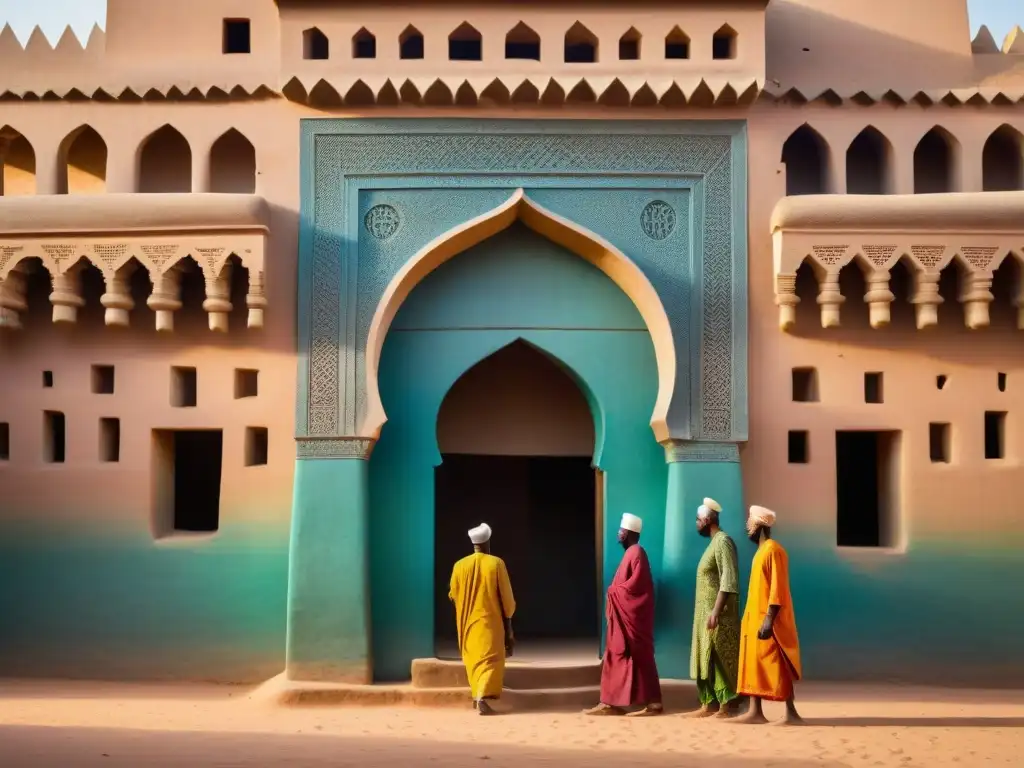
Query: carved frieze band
[[691, 450], [335, 447]]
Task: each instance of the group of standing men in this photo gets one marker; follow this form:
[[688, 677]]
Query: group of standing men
[[757, 657]]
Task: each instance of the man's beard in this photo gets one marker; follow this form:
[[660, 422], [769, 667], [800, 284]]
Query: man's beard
[[756, 535], [705, 531]]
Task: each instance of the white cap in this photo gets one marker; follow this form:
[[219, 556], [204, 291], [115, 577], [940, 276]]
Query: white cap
[[631, 523], [761, 516], [481, 534], [710, 505]]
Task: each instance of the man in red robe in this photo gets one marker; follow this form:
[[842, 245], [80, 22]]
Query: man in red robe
[[629, 676]]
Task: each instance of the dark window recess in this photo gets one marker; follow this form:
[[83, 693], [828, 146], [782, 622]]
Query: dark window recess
[[184, 387], [315, 45], [47, 379], [411, 45], [1001, 382], [799, 448], [995, 434], [465, 44], [5, 441], [580, 45], [110, 440], [257, 446], [364, 45], [247, 383], [103, 379], [629, 46], [939, 443], [54, 436], [873, 388], [237, 36], [940, 381], [805, 385], [723, 44], [677, 50], [529, 51], [867, 485], [187, 477]]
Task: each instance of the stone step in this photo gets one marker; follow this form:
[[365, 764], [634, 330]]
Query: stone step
[[519, 675], [679, 696]]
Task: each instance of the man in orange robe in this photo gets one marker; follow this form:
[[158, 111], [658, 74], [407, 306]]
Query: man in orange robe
[[769, 646]]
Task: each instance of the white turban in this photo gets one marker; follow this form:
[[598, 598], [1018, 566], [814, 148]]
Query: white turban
[[631, 523], [761, 516], [481, 534], [709, 506]]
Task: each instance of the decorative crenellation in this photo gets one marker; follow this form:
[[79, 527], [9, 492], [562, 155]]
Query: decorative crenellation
[[693, 450], [334, 447], [163, 258], [829, 253]]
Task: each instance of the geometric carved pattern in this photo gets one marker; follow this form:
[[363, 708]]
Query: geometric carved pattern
[[687, 450], [658, 220], [333, 448], [344, 152]]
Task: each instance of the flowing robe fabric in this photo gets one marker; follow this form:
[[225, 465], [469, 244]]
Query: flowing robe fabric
[[718, 571], [768, 668], [629, 675], [482, 595]]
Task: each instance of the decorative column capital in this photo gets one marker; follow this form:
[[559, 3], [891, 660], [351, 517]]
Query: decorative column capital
[[334, 447], [699, 450]]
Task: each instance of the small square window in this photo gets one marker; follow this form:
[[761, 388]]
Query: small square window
[[257, 446], [247, 383], [1001, 382], [873, 392], [5, 441], [47, 379], [110, 440], [799, 447], [103, 379], [805, 385], [184, 388], [939, 443], [995, 435], [237, 36]]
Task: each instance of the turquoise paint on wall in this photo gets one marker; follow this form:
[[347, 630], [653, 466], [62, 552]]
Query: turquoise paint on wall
[[418, 368], [104, 601], [327, 580]]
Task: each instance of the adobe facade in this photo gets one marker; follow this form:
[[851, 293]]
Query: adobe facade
[[263, 284]]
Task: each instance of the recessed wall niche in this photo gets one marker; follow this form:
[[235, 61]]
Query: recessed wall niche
[[103, 379]]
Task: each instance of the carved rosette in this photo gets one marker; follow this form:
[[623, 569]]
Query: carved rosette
[[334, 447]]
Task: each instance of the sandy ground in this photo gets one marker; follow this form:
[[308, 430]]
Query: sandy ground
[[78, 724]]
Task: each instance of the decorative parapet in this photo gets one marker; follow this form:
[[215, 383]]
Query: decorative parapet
[[334, 447], [702, 451], [118, 234], [977, 230]]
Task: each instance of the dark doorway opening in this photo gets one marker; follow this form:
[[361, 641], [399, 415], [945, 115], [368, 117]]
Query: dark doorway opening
[[542, 510], [187, 479], [867, 488]]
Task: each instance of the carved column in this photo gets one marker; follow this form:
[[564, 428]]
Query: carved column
[[329, 587], [255, 300], [878, 298], [165, 299], [12, 298], [695, 470], [117, 300], [926, 298], [218, 298], [830, 299], [786, 300], [66, 296], [976, 296]]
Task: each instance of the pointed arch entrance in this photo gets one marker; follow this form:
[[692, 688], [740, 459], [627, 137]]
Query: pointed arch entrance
[[515, 310]]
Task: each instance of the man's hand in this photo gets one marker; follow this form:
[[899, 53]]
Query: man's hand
[[766, 630], [713, 621], [510, 642]]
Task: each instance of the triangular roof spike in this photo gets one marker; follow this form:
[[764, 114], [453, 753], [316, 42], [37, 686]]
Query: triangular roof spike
[[984, 42], [9, 41], [69, 41], [38, 41], [1014, 42], [97, 38]]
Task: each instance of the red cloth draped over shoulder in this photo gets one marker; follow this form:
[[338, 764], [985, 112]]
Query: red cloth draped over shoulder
[[629, 675]]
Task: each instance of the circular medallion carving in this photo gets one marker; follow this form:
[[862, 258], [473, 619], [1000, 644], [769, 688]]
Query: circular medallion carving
[[658, 219], [382, 221]]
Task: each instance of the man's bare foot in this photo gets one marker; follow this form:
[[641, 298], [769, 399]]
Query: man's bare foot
[[753, 716], [723, 714], [485, 708], [706, 710], [603, 710], [650, 710], [790, 718]]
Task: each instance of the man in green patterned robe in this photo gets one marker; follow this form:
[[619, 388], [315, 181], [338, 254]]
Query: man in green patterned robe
[[715, 651]]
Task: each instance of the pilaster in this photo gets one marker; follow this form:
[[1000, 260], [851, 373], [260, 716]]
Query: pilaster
[[695, 470], [328, 580]]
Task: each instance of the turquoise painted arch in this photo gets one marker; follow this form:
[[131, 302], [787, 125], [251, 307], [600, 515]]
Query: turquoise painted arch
[[514, 286]]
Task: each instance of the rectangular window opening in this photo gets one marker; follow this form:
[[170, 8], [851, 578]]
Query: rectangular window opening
[[237, 36], [995, 434], [110, 440], [867, 488], [54, 437], [940, 381], [1001, 381], [5, 441], [47, 379], [629, 50], [873, 388], [940, 445], [257, 446], [805, 385], [247, 383], [186, 481], [799, 447], [184, 387], [527, 51], [103, 379], [677, 50]]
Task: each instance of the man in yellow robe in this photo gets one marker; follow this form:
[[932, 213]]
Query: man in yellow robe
[[482, 595], [769, 645]]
